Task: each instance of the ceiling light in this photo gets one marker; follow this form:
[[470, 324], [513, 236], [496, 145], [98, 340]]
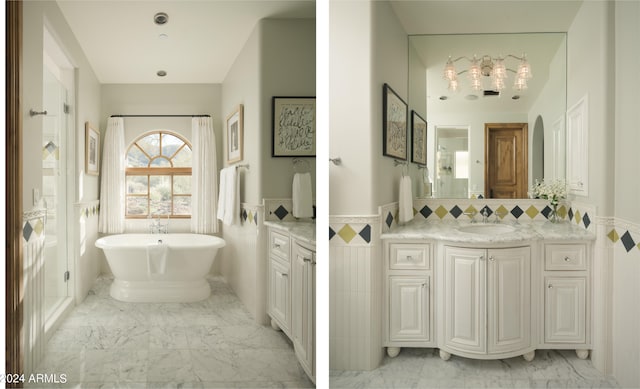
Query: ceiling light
[[160, 18], [161, 73], [488, 66]]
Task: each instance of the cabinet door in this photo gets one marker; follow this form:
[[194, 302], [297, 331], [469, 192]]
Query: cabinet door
[[464, 299], [565, 310], [409, 307], [508, 299], [303, 306], [279, 294]]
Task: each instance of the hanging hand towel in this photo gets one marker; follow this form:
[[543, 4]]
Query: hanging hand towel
[[228, 201], [302, 197], [156, 258], [405, 203]]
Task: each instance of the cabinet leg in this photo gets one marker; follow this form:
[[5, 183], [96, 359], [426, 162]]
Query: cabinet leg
[[393, 351], [275, 326], [582, 354], [444, 355], [529, 356]]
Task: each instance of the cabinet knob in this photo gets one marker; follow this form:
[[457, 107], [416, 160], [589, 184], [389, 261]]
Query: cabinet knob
[[409, 258], [567, 259], [306, 259], [550, 286], [491, 258], [482, 257], [276, 245]]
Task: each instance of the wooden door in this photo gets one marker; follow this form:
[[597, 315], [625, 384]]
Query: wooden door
[[506, 161]]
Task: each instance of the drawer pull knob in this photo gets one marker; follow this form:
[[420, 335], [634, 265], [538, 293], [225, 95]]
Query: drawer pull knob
[[276, 245], [409, 258], [550, 286], [491, 258], [567, 259]]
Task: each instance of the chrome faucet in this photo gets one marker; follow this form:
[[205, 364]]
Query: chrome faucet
[[472, 216], [156, 227], [485, 215], [499, 215]]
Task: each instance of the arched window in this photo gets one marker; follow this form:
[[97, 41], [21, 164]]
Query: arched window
[[158, 175]]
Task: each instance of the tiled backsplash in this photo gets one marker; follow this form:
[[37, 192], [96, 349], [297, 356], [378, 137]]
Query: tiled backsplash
[[623, 233], [281, 210]]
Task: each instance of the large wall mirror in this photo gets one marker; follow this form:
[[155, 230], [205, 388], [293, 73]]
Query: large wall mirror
[[467, 134]]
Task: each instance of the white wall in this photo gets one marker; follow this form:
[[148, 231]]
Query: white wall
[[278, 59], [626, 275], [350, 117], [86, 108]]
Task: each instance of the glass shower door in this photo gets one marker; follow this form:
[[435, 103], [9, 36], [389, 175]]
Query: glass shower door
[[54, 196]]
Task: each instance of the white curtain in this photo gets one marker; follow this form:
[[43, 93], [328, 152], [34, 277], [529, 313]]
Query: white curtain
[[204, 186], [112, 181]]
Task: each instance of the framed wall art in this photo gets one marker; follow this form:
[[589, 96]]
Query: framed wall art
[[394, 124], [235, 135], [91, 150], [294, 127], [418, 139]]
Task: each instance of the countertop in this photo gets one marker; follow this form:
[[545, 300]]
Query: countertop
[[525, 231], [304, 231]]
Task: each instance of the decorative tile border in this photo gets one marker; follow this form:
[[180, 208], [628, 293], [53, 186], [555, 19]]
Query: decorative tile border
[[281, 210], [353, 230], [250, 213], [88, 209], [389, 216], [624, 232], [33, 223]]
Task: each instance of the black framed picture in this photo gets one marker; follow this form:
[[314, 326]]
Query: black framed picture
[[394, 124], [418, 139], [294, 127]]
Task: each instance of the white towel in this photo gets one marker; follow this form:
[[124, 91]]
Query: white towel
[[405, 203], [302, 197], [157, 258], [228, 199]]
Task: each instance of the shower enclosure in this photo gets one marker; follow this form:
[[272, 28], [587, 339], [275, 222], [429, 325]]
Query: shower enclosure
[[56, 177]]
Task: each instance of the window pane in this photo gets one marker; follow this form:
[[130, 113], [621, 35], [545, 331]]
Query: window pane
[[150, 144], [182, 205], [183, 158], [182, 185], [137, 205], [136, 158], [170, 144], [160, 162], [137, 184], [160, 194]]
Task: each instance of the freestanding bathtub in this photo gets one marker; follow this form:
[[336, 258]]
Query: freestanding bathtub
[[186, 260]]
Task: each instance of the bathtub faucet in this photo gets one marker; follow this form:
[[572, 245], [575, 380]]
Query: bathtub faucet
[[156, 227]]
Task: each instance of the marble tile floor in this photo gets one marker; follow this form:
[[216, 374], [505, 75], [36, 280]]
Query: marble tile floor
[[423, 368], [105, 343]]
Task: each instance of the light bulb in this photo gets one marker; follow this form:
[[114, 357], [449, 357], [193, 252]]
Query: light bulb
[[450, 73]]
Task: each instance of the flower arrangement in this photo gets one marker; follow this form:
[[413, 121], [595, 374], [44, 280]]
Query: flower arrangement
[[554, 191]]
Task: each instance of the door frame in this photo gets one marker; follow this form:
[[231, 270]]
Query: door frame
[[524, 128], [13, 209]]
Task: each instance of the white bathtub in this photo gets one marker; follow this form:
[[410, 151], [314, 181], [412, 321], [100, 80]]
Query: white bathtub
[[188, 260]]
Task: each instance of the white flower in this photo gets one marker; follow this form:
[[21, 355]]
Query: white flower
[[553, 191]]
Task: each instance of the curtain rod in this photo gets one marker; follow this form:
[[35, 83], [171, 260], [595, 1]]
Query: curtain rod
[[160, 116]]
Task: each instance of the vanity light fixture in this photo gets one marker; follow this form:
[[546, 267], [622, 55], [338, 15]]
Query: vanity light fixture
[[488, 66]]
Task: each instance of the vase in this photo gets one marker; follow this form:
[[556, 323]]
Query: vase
[[553, 216]]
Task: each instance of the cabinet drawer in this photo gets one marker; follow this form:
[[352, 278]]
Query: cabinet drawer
[[565, 257], [404, 256], [279, 245]]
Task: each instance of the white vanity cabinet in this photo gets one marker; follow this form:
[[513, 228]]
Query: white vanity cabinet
[[566, 297], [291, 292], [279, 304], [303, 305], [408, 308], [486, 302]]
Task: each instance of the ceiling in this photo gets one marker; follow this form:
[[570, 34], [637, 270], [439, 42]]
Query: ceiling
[[485, 16], [123, 44]]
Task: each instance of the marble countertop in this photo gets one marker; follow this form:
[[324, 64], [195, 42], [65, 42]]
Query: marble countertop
[[450, 231], [304, 231]]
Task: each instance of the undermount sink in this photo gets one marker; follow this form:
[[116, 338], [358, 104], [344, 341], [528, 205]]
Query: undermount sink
[[486, 229]]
